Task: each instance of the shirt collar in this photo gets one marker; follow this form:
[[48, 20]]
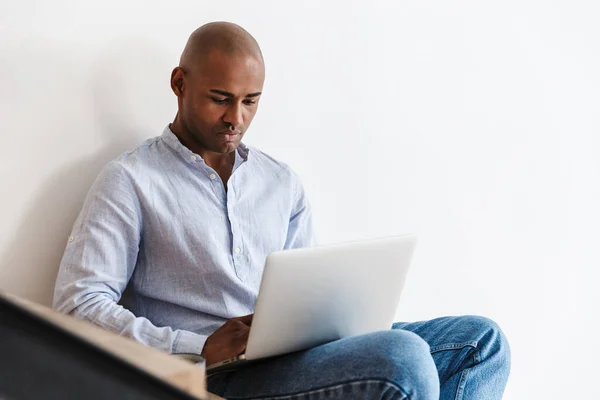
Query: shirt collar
[[173, 141]]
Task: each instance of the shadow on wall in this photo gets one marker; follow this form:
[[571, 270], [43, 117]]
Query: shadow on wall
[[30, 261]]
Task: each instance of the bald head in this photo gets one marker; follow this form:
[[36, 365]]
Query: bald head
[[224, 37]]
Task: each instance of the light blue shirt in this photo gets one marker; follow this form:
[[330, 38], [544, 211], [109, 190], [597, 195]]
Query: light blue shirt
[[161, 253]]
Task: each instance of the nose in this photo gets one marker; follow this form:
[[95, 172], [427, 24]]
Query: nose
[[234, 115]]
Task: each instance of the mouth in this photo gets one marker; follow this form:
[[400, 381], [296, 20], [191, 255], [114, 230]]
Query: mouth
[[228, 135], [230, 132]]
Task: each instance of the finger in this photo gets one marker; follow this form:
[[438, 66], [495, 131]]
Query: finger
[[240, 341], [246, 319], [242, 330]]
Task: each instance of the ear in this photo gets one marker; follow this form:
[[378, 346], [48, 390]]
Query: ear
[[178, 81]]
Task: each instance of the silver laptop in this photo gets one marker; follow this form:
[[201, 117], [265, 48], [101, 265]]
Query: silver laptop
[[316, 295]]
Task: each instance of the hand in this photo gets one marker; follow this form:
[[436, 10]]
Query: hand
[[228, 341]]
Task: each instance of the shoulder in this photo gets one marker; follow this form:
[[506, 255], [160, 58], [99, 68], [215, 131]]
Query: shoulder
[[138, 160], [143, 155], [123, 171], [282, 173], [268, 162]]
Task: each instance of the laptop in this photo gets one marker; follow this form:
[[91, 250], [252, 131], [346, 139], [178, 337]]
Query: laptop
[[316, 295]]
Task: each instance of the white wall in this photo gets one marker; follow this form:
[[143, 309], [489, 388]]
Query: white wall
[[473, 123]]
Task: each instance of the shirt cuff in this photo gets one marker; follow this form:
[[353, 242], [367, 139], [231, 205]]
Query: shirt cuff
[[189, 343]]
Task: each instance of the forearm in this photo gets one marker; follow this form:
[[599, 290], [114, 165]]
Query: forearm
[[104, 312]]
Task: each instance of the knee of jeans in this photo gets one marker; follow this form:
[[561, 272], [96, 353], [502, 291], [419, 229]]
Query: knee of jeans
[[403, 358], [492, 340]]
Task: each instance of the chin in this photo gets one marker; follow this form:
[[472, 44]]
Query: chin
[[226, 148]]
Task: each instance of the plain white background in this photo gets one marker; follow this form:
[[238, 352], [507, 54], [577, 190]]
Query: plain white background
[[473, 123]]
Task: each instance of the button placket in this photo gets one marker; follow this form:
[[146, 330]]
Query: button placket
[[237, 247]]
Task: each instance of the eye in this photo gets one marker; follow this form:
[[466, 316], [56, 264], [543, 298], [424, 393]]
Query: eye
[[249, 102], [219, 100]]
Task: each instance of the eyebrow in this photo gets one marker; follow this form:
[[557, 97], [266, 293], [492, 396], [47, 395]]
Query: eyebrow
[[227, 94]]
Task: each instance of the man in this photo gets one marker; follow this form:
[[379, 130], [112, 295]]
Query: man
[[177, 232]]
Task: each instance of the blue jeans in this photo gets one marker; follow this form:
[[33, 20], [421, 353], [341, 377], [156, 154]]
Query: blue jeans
[[456, 358]]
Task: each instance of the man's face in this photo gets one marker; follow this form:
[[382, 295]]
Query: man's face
[[219, 100]]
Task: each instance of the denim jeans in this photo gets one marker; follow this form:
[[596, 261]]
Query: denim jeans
[[458, 358]]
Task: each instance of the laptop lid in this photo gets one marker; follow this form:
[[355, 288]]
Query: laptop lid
[[316, 295]]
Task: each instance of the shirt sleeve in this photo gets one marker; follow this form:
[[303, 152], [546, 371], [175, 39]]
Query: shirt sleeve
[[99, 260], [300, 228]]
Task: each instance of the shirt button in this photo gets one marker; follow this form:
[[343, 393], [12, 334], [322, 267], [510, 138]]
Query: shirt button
[[237, 250], [71, 238], [193, 158], [212, 176]]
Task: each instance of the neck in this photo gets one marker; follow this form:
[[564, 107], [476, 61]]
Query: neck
[[217, 161]]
